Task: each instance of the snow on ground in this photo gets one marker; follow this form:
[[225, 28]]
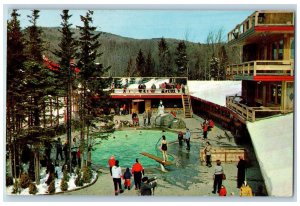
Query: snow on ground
[[43, 187], [214, 91], [272, 140]]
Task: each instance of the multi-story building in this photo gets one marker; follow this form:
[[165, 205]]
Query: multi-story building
[[266, 41]]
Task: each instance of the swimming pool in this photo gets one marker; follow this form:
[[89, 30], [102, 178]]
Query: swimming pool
[[127, 145]]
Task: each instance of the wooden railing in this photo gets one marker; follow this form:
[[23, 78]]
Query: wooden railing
[[147, 91], [262, 67], [261, 18], [251, 113]]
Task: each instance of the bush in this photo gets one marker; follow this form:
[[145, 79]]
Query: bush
[[51, 178], [63, 185], [78, 181], [66, 175], [32, 189], [87, 174], [16, 188], [9, 181], [51, 188], [24, 180]]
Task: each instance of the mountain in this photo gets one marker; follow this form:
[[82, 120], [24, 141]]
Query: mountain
[[117, 51]]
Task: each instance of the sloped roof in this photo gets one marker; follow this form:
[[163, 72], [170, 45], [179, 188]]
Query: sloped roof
[[272, 141], [214, 91]]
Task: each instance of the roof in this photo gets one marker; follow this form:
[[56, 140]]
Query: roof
[[272, 141], [214, 91]]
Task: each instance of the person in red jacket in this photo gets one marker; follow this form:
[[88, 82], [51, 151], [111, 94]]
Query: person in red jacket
[[223, 191], [111, 163], [137, 171], [205, 129]]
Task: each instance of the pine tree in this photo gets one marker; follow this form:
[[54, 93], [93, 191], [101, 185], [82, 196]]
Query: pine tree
[[65, 77], [181, 59], [15, 85], [130, 70], [39, 83], [164, 58], [140, 64], [150, 65], [93, 95]]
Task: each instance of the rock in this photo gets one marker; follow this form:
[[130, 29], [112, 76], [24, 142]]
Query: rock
[[169, 121]]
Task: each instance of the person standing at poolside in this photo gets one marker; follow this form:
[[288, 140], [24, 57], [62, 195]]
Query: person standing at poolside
[[164, 148], [111, 163], [149, 115], [241, 172], [137, 171], [207, 152], [187, 138], [116, 175], [218, 177]]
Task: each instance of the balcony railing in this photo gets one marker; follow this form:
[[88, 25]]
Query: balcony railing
[[251, 113], [262, 18], [262, 67]]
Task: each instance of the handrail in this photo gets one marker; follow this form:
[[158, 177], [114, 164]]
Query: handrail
[[261, 67], [249, 113]]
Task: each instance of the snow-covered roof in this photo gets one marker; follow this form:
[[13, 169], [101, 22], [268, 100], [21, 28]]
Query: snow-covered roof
[[214, 91], [272, 141]]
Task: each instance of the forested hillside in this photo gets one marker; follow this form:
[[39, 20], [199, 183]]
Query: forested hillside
[[121, 52]]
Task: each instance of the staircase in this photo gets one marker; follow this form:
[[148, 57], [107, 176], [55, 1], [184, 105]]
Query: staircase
[[186, 104]]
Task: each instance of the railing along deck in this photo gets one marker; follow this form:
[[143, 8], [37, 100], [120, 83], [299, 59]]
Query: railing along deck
[[262, 67], [262, 18], [251, 113]]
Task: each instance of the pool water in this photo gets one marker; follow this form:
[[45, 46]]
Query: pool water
[[126, 146]]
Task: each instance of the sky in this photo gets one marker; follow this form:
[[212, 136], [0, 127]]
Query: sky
[[191, 25]]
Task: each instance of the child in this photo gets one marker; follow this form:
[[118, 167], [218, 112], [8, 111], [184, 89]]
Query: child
[[223, 191], [127, 176]]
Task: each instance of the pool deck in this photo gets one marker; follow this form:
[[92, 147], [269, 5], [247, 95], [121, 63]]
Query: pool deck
[[187, 178]]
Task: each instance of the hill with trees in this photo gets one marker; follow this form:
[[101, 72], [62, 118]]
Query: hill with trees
[[121, 53]]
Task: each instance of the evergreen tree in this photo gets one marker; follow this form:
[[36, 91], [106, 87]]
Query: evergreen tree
[[93, 95], [65, 77], [130, 70], [150, 65], [39, 83], [164, 57], [15, 85], [140, 64], [181, 59]]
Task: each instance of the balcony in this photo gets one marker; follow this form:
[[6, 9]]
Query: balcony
[[251, 113], [255, 70], [263, 21]]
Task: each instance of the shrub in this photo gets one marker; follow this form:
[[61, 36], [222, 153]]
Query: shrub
[[16, 188], [32, 189], [87, 174], [9, 180], [63, 185], [51, 188], [24, 180], [78, 180], [51, 178], [66, 175]]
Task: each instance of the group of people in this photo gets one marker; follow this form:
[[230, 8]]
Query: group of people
[[184, 137], [141, 182], [206, 126], [244, 188]]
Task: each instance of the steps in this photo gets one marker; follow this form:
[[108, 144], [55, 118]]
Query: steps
[[186, 104]]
